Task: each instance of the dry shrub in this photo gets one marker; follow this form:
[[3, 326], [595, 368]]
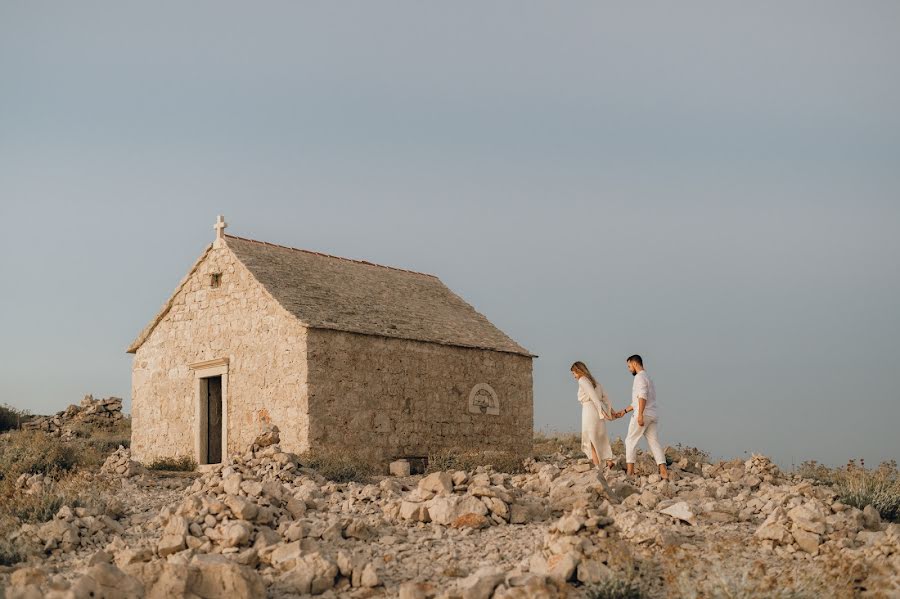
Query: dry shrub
[[858, 486], [614, 588], [693, 454], [342, 465], [33, 452], [468, 460], [727, 571], [175, 464], [737, 581], [10, 553], [546, 444], [66, 467], [12, 418]]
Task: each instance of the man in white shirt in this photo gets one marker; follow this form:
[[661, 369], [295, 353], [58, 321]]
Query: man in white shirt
[[643, 423]]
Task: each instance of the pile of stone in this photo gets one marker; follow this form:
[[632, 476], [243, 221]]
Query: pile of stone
[[31, 484], [259, 511], [71, 529], [201, 576], [119, 463], [461, 499], [806, 518], [763, 467], [576, 547], [93, 413]]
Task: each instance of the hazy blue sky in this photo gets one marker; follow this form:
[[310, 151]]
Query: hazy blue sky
[[713, 185]]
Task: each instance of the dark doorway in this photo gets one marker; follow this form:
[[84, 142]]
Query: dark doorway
[[214, 420]]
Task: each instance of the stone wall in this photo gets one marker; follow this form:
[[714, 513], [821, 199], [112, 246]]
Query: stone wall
[[266, 352], [407, 398]]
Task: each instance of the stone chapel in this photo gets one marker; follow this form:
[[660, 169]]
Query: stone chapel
[[335, 352]]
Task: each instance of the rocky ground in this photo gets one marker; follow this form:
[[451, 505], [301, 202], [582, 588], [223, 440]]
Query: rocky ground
[[263, 525]]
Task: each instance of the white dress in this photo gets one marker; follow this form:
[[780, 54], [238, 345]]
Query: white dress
[[595, 411]]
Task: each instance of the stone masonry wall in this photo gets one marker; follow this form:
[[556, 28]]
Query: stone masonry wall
[[407, 398], [239, 320]]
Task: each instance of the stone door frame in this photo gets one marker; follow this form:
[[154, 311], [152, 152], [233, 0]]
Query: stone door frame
[[202, 372]]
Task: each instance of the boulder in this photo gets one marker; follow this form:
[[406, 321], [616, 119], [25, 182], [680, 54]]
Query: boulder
[[106, 581], [593, 572], [439, 483], [444, 510], [481, 584], [269, 436], [400, 468], [681, 511], [807, 541], [807, 519], [871, 518]]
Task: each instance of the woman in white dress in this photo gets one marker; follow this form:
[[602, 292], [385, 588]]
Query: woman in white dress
[[595, 411]]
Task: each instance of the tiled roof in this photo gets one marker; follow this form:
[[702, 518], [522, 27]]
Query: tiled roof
[[329, 292]]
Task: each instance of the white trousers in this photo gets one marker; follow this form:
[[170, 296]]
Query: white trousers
[[635, 433]]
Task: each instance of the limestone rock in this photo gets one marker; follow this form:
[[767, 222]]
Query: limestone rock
[[807, 541], [400, 468], [681, 511], [439, 483], [481, 584]]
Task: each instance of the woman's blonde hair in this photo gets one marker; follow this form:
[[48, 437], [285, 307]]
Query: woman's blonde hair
[[581, 369]]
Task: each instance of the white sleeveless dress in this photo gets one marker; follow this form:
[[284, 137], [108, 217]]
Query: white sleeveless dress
[[595, 411]]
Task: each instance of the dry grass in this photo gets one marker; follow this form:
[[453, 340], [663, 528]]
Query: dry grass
[[693, 454], [68, 480], [547, 444], [12, 418], [858, 486], [343, 465], [177, 464], [614, 588], [469, 460], [720, 577]]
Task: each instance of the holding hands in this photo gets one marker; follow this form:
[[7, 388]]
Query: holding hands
[[621, 413]]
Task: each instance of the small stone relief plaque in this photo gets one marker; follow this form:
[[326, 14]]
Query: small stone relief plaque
[[483, 400]]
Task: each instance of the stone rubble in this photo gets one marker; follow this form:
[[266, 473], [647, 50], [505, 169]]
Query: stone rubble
[[119, 463], [93, 413], [264, 525]]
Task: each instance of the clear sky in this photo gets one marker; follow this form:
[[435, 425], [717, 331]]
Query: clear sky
[[713, 185]]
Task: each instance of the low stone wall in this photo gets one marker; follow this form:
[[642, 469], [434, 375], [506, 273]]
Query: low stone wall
[[95, 413]]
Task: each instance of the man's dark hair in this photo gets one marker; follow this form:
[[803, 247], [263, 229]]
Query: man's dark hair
[[636, 359]]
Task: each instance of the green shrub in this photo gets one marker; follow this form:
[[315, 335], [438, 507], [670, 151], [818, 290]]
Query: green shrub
[[176, 464], [858, 486]]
